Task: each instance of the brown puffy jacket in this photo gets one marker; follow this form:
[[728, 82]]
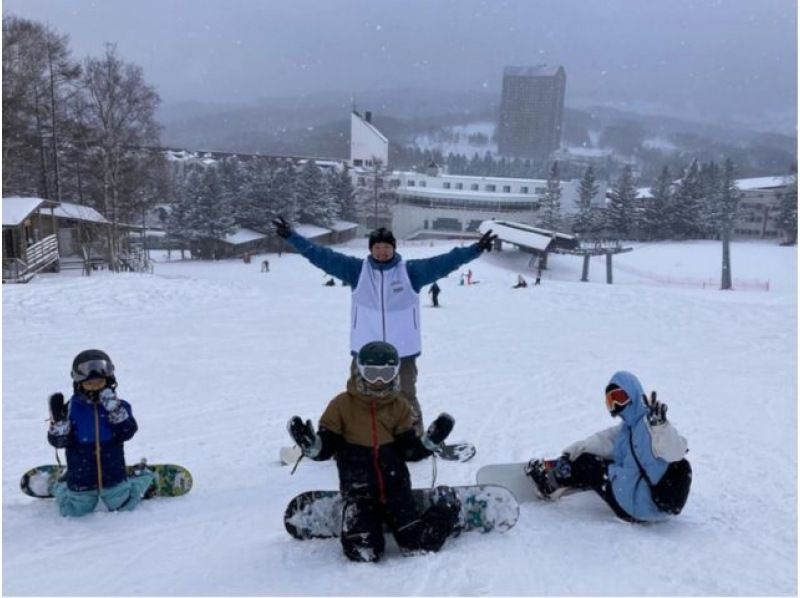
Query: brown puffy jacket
[[372, 437], [350, 414]]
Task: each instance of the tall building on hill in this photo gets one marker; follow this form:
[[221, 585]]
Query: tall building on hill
[[531, 111]]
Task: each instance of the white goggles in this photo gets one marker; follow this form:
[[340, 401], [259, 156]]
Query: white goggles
[[378, 373]]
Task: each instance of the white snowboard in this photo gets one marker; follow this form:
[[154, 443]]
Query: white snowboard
[[512, 476]]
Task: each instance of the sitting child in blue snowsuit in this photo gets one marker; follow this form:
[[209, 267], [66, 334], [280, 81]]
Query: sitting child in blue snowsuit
[[92, 426], [637, 467]]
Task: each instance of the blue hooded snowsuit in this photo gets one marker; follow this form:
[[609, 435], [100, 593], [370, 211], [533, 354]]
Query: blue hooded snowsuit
[[634, 440]]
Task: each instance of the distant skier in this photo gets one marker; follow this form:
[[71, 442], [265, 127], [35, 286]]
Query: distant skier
[[637, 467], [92, 426], [330, 282], [369, 430], [434, 293], [385, 303]]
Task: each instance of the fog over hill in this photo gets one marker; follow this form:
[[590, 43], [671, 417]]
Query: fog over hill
[[318, 125]]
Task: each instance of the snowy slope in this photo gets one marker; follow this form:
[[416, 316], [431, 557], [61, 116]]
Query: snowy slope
[[215, 357]]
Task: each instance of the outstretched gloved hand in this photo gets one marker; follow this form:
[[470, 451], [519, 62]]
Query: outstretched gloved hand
[[656, 410], [58, 410], [305, 437], [485, 242], [438, 431], [282, 228]]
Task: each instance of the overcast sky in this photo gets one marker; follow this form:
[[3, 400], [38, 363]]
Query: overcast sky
[[737, 57]]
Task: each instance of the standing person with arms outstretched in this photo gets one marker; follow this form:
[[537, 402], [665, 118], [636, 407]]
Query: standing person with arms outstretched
[[385, 298]]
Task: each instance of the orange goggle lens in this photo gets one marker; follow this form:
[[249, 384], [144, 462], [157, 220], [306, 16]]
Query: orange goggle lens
[[617, 398]]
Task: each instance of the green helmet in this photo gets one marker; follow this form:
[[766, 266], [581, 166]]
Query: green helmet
[[378, 362]]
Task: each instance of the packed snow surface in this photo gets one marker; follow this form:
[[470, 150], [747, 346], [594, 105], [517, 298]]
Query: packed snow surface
[[215, 358]]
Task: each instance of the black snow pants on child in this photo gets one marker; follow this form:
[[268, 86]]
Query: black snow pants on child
[[363, 519]]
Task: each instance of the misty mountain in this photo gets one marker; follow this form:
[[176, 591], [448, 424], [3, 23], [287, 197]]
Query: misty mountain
[[319, 125], [294, 124]]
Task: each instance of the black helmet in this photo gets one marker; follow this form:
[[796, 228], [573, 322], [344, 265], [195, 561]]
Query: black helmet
[[382, 235], [378, 363], [91, 364]]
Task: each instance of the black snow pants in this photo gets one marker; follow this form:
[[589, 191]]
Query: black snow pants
[[590, 472], [363, 518]]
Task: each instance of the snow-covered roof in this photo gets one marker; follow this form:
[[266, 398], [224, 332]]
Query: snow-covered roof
[[243, 235], [764, 182], [519, 234], [371, 127], [17, 209], [466, 195], [309, 231], [343, 225], [75, 211]]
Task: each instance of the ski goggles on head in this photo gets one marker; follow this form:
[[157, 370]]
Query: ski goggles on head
[[378, 373], [95, 368], [616, 399]]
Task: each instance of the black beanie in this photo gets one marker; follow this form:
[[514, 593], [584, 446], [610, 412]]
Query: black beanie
[[382, 235]]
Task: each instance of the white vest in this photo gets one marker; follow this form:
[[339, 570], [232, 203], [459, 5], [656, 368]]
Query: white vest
[[385, 308]]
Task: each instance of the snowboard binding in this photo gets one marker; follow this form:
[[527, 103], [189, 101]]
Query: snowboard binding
[[551, 477]]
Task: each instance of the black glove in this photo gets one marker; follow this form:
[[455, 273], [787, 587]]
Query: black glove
[[485, 242], [303, 434], [58, 410], [282, 228], [656, 410], [438, 431]]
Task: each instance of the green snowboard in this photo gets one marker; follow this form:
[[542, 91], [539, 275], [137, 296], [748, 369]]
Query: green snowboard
[[170, 480]]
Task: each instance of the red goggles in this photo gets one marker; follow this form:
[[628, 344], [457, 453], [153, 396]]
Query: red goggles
[[616, 399]]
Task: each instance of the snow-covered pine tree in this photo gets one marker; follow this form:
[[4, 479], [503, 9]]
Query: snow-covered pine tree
[[210, 218], [787, 211], [622, 198], [587, 190], [685, 209], [728, 201], [655, 217], [258, 196], [233, 183], [178, 226], [317, 206], [285, 191], [340, 186], [550, 210]]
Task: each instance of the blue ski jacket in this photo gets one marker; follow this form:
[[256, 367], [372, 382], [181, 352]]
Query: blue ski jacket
[[347, 268], [94, 446], [634, 455], [634, 449]]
